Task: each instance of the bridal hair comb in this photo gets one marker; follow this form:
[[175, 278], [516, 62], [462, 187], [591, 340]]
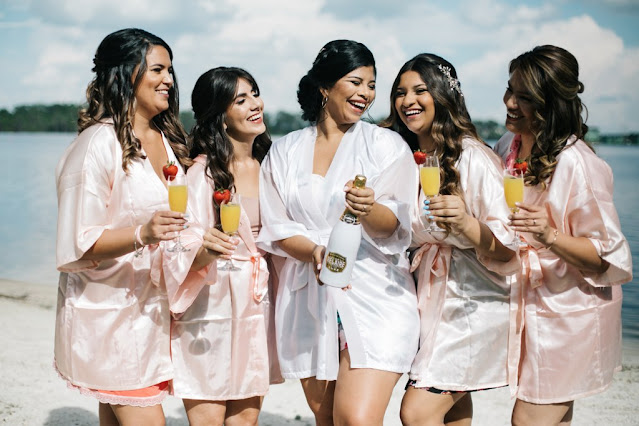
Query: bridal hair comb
[[452, 81]]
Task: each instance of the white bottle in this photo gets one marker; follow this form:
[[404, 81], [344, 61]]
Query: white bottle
[[342, 247]]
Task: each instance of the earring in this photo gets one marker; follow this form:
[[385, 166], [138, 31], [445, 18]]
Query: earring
[[324, 101]]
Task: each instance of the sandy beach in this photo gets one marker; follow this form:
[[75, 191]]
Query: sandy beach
[[33, 394]]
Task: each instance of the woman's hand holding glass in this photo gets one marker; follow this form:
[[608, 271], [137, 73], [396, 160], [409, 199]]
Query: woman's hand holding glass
[[533, 219], [447, 209], [218, 244], [162, 226]]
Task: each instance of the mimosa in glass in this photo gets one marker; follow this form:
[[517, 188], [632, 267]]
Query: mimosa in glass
[[429, 178], [178, 197], [514, 192], [230, 220]]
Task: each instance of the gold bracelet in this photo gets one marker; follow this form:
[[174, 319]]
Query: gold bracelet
[[556, 232]]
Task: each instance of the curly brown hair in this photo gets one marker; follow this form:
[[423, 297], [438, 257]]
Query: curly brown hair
[[451, 122], [551, 76], [111, 94]]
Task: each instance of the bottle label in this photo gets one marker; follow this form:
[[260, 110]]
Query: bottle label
[[335, 262]]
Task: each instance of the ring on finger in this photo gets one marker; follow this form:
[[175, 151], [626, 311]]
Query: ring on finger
[[534, 222]]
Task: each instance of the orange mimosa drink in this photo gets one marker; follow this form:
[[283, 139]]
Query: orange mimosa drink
[[230, 217], [178, 196], [429, 177], [514, 190]]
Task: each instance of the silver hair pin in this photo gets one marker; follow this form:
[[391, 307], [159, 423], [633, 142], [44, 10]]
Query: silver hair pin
[[452, 81]]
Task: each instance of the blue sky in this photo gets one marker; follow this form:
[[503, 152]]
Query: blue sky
[[46, 47]]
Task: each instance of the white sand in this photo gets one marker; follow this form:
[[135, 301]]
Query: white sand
[[31, 393]]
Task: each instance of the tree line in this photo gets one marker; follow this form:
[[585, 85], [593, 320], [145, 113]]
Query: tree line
[[63, 118]]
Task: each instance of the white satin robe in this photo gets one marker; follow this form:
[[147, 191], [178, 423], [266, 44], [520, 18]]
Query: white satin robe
[[221, 318], [565, 337], [463, 297], [379, 314], [112, 321]]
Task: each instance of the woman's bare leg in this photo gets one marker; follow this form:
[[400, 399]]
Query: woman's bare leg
[[319, 396], [424, 408], [201, 412], [361, 394], [526, 413]]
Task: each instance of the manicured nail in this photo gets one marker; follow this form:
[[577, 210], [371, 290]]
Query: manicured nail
[[345, 188], [426, 202], [426, 211], [431, 217]]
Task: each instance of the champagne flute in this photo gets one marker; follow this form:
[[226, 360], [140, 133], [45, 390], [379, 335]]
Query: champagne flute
[[514, 192], [178, 196], [430, 180], [230, 220]]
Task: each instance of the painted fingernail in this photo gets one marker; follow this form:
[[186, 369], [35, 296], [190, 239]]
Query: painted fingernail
[[431, 217], [426, 202], [426, 210], [186, 225], [345, 187]]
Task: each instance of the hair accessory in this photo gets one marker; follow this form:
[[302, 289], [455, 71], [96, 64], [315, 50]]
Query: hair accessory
[[452, 81]]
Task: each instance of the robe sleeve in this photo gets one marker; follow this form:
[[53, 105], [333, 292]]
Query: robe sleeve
[[276, 222], [395, 187], [484, 196], [591, 213], [84, 177], [182, 284]]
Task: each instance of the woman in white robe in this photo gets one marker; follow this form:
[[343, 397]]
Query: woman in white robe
[[304, 182], [565, 340], [463, 270], [221, 318], [112, 324]]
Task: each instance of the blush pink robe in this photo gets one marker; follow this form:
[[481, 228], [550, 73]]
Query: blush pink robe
[[565, 337], [112, 321], [219, 335], [463, 297]]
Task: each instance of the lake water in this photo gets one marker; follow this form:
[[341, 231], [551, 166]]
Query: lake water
[[28, 218]]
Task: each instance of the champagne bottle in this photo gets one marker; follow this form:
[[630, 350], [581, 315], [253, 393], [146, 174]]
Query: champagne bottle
[[342, 247]]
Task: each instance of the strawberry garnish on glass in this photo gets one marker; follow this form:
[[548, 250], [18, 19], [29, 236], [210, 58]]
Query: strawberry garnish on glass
[[169, 170], [221, 195], [521, 165], [419, 156]]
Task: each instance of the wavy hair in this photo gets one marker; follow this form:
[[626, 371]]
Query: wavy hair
[[551, 76], [212, 95], [336, 59], [451, 122], [119, 66]]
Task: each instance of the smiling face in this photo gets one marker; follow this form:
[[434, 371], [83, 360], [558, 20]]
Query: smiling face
[[414, 104], [350, 96], [520, 109], [152, 94], [244, 117]]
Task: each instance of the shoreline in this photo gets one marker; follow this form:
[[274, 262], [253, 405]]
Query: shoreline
[[34, 394]]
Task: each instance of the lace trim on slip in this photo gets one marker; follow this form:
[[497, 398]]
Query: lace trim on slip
[[115, 399]]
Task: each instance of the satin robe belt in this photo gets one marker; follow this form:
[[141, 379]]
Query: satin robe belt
[[433, 261], [259, 275], [305, 274], [530, 274]]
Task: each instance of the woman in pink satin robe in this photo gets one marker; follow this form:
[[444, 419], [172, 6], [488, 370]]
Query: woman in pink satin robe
[[219, 332], [565, 340], [463, 270], [112, 324]]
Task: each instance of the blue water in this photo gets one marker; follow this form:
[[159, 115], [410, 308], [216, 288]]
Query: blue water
[[28, 215]]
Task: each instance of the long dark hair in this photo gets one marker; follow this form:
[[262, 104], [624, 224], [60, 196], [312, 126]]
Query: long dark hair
[[111, 93], [336, 59], [551, 76], [212, 95], [451, 122]]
